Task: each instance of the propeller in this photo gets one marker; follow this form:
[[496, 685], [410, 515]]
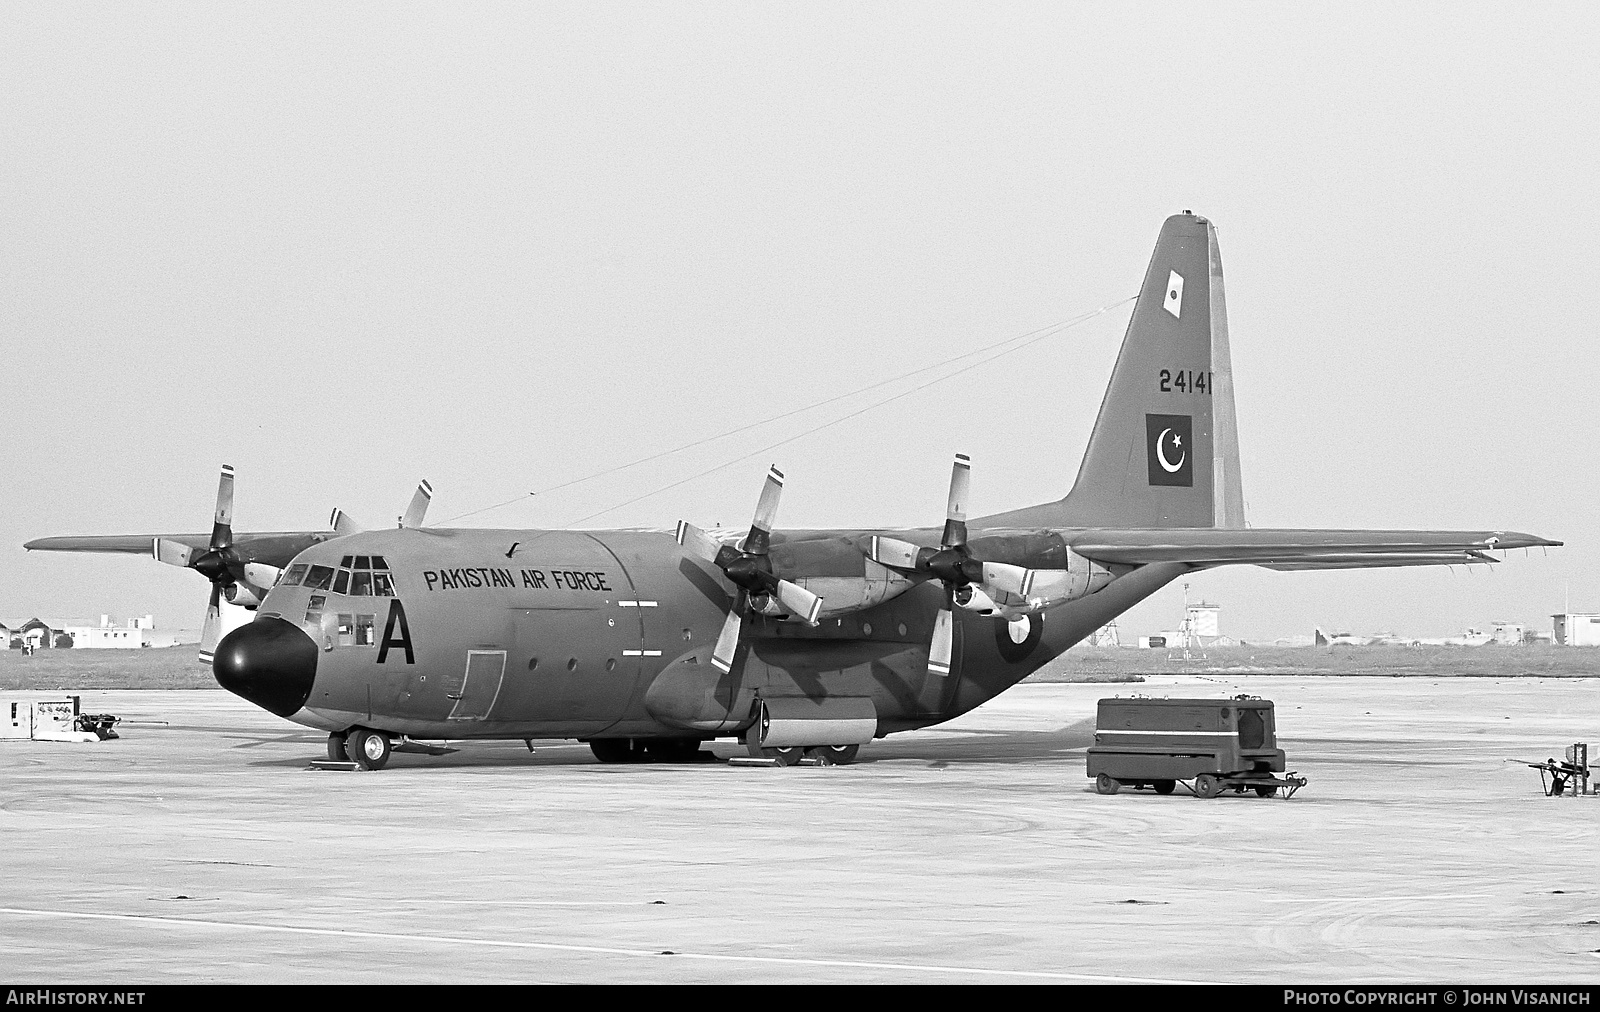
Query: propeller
[[749, 569], [232, 578], [951, 564]]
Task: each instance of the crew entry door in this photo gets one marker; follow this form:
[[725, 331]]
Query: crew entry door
[[480, 685]]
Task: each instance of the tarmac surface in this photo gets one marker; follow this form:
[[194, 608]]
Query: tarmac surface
[[206, 851]]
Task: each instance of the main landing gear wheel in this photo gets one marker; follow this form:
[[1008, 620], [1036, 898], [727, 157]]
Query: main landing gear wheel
[[336, 750], [1106, 785], [1164, 786], [368, 749], [1266, 792], [784, 756], [1206, 786], [834, 755]]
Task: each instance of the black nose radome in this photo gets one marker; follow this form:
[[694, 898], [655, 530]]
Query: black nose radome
[[269, 662]]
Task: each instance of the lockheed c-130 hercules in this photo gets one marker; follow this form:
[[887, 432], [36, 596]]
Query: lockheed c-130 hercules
[[645, 644]]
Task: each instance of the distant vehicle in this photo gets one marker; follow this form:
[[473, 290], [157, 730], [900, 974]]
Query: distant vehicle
[[645, 643]]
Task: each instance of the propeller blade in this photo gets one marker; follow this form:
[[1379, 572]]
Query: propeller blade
[[955, 513], [213, 627], [940, 649], [728, 640], [419, 505], [766, 513], [173, 553], [800, 602], [342, 524], [893, 553], [698, 542], [222, 523], [1011, 579], [261, 575]]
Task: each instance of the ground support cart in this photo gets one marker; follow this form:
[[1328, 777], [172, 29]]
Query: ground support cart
[[1214, 744]]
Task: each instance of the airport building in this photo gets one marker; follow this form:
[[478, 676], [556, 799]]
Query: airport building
[[106, 636], [1576, 629]]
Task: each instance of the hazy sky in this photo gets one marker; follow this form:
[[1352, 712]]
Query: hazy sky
[[342, 247]]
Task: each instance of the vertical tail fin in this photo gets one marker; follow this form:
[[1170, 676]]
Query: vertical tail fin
[[1165, 446]]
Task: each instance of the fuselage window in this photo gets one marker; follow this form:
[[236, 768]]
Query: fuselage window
[[347, 630], [341, 582], [320, 577], [361, 584], [314, 610], [382, 585], [295, 575], [364, 636]]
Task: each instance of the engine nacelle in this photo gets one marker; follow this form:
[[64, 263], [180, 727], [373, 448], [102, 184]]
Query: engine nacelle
[[242, 594], [972, 598], [766, 604]]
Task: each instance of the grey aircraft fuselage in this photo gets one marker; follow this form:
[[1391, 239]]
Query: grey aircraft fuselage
[[562, 634]]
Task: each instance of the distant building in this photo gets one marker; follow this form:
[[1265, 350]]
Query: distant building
[[1507, 634], [106, 636], [1575, 629]]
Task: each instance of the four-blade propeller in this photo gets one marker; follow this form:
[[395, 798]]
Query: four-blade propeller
[[232, 578], [969, 583], [749, 569]]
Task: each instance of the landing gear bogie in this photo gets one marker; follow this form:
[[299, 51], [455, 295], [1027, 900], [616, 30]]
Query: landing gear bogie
[[833, 755]]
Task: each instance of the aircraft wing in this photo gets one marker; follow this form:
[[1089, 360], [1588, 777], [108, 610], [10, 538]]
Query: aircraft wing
[[1289, 549], [272, 549]]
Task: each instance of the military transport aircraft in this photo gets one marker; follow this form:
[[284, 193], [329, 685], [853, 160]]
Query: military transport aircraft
[[801, 642]]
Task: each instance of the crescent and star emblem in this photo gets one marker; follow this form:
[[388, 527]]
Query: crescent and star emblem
[[1161, 452]]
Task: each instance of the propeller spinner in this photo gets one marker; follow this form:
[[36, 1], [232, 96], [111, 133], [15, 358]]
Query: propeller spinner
[[749, 569]]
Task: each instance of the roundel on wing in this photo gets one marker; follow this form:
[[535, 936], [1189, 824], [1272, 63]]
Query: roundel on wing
[[1016, 640]]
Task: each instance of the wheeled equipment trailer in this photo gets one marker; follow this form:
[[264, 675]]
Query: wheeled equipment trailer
[[1210, 745]]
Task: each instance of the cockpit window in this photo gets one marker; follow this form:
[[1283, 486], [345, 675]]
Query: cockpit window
[[363, 562], [361, 584], [378, 563], [319, 578], [295, 575], [382, 585], [340, 581], [345, 562]]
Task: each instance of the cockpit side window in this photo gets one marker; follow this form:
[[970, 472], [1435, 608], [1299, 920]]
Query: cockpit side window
[[340, 581], [319, 578], [294, 575], [382, 585]]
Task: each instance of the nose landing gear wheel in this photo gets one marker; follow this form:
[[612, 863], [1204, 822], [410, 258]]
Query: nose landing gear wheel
[[1266, 792], [336, 750], [834, 755], [368, 749], [1164, 786], [1106, 785], [1206, 786], [785, 756]]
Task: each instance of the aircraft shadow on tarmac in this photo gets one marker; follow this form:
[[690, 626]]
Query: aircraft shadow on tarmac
[[1063, 744]]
